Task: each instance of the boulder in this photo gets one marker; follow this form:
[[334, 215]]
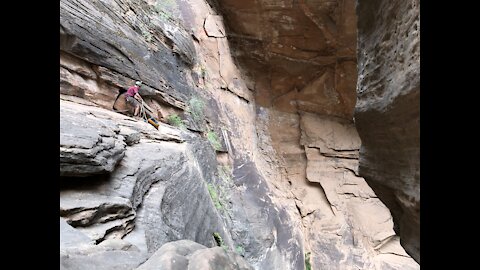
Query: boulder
[[188, 255]]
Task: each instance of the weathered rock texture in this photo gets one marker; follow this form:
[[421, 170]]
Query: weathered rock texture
[[88, 146], [387, 114], [77, 252], [343, 221], [150, 181], [298, 55], [185, 254], [300, 58], [277, 182], [107, 44], [169, 184]]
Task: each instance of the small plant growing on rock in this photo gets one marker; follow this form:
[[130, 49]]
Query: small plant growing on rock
[[147, 36], [196, 108], [218, 240], [240, 250], [225, 174], [213, 139], [164, 15], [175, 120], [214, 195], [308, 266], [164, 8]]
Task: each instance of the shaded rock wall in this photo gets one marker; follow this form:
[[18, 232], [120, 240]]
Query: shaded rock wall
[[387, 114], [297, 55]]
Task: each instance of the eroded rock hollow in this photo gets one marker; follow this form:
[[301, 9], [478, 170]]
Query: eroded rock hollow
[[255, 164]]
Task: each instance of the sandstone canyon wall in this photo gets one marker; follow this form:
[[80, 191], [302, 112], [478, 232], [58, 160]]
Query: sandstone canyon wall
[[264, 162], [387, 114]]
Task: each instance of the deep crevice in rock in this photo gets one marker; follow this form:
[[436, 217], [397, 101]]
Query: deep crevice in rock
[[82, 183]]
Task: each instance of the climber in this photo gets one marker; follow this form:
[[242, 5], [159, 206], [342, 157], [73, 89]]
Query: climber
[[133, 97]]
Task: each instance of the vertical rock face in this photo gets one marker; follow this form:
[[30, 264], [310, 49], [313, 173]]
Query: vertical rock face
[[299, 58], [261, 161], [387, 114], [342, 220]]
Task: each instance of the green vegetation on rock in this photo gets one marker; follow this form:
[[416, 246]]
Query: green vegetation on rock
[[308, 266], [213, 139], [196, 108], [147, 36], [214, 195], [225, 174], [218, 239], [175, 120], [240, 250], [164, 8]]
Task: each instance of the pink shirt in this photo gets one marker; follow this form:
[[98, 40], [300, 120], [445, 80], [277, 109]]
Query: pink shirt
[[132, 91]]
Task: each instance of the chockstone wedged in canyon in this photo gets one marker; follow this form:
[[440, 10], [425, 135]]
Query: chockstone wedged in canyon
[[288, 134]]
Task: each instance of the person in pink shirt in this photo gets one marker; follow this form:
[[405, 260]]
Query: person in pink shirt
[[133, 97]]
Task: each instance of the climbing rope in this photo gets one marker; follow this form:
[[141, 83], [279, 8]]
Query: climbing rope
[[148, 119], [143, 113]]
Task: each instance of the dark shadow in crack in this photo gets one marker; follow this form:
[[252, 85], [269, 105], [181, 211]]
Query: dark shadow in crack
[[82, 183]]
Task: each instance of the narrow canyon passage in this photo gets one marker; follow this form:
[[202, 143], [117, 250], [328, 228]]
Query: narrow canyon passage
[[300, 58], [287, 138]]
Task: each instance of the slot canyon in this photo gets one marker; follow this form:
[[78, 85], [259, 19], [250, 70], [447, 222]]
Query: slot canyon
[[285, 134]]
